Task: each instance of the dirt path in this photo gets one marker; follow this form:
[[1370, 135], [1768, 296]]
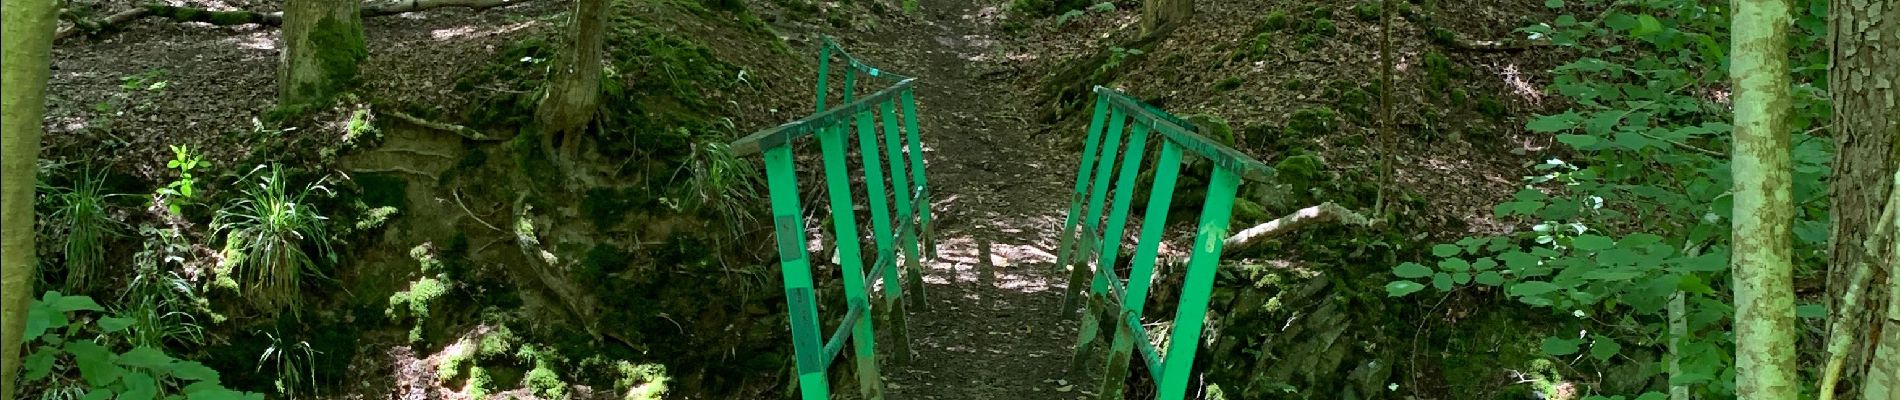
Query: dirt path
[[993, 330]]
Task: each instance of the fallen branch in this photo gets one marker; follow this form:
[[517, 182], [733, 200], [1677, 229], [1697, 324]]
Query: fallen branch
[[1326, 212], [400, 7], [467, 132], [241, 17]]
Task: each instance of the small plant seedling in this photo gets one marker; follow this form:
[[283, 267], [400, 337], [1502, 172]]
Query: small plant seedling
[[185, 188]]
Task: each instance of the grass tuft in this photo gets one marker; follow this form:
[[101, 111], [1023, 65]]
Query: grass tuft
[[719, 182], [81, 210], [270, 236]]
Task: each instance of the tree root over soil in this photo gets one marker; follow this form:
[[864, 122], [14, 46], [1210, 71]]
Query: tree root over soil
[[466, 132], [241, 17]]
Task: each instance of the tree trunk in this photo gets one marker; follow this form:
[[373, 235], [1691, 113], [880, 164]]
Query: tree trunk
[[573, 95], [1162, 14], [323, 42], [1883, 373], [26, 45], [1865, 38], [1764, 210]]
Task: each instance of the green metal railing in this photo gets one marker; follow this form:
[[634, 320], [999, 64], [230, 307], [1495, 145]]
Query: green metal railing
[[910, 195], [1117, 116]]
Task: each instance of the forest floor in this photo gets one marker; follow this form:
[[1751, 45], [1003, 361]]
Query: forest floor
[[994, 329]]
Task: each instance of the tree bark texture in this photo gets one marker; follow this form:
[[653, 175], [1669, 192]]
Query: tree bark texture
[[322, 42], [26, 45], [1764, 210], [1883, 373], [573, 95], [1865, 40], [1160, 14]]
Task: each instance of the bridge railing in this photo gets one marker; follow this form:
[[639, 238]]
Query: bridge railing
[[895, 106], [1118, 116]]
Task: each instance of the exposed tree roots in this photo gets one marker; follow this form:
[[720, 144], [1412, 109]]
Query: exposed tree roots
[[239, 17], [466, 132]]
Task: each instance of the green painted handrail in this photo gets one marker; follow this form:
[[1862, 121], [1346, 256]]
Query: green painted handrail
[[892, 232], [1086, 241]]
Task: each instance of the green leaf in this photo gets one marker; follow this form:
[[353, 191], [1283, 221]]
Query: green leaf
[[1461, 277], [1402, 288], [1553, 123], [1441, 281], [1707, 262], [1653, 396], [1646, 25], [1454, 265], [207, 390], [194, 371], [40, 362], [39, 318], [1411, 270], [1581, 142], [1445, 250], [97, 393], [1612, 274], [114, 324], [95, 363], [1619, 21], [1518, 260], [139, 386], [76, 303], [1592, 242], [1489, 278], [1604, 348], [1484, 264], [1561, 347], [145, 357], [1532, 288], [1554, 3]]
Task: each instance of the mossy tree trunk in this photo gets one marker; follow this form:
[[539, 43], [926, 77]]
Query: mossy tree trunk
[[1865, 36], [25, 61], [322, 44], [1764, 210], [1157, 15], [573, 92]]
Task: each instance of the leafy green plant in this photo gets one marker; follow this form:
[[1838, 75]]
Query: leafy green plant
[[184, 190], [159, 301], [1633, 233], [81, 211], [1068, 17], [1117, 56], [270, 236], [70, 357], [293, 367]]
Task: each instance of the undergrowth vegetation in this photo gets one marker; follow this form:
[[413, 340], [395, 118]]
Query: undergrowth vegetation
[[80, 211], [1628, 239], [273, 237]]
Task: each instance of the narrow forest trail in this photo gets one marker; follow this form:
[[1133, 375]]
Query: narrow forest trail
[[993, 329]]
